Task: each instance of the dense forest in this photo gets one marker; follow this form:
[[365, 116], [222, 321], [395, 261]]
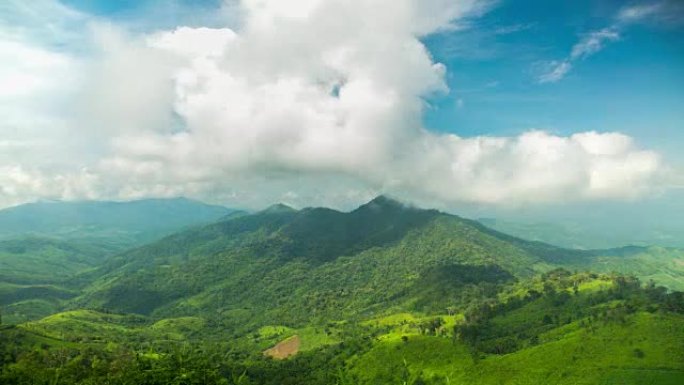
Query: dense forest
[[384, 294]]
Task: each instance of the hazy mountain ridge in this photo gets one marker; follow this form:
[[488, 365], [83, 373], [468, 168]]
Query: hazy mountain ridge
[[585, 235], [142, 220]]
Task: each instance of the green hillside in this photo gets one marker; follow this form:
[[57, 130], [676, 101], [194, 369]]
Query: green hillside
[[313, 263], [384, 294], [47, 260], [321, 263], [44, 245], [559, 327]]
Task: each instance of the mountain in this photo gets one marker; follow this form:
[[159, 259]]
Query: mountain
[[334, 264], [323, 263], [592, 235], [49, 241], [127, 223], [384, 294], [47, 260], [42, 245]]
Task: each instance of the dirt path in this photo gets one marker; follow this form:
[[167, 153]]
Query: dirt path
[[285, 348]]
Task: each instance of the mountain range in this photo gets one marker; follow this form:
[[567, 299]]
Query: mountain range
[[352, 286]]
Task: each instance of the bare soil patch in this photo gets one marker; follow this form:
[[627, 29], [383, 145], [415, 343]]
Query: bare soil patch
[[285, 348]]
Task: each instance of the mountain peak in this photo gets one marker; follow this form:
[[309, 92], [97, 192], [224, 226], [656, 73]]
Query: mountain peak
[[278, 208], [382, 202]]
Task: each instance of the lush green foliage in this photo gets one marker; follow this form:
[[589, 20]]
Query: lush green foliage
[[580, 329], [43, 245], [385, 294], [294, 268]]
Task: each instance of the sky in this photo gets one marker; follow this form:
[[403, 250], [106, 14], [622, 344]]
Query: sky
[[482, 107]]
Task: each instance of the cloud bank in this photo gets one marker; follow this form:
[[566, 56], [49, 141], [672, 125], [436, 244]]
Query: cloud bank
[[309, 102]]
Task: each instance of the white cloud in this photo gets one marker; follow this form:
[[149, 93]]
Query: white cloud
[[639, 12], [37, 83], [593, 42], [664, 12], [19, 185], [555, 71], [28, 70], [589, 44], [193, 42], [316, 102], [535, 167], [513, 28]]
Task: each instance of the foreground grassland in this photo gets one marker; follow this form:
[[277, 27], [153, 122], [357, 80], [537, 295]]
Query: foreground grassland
[[645, 349]]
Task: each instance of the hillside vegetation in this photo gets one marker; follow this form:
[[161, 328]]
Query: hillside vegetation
[[384, 294], [44, 245]]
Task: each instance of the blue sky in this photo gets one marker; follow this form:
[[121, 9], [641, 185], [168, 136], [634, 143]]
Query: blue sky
[[526, 103], [634, 85], [117, 8]]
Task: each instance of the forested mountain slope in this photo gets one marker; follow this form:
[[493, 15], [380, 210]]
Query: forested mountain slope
[[43, 245], [283, 265], [288, 264]]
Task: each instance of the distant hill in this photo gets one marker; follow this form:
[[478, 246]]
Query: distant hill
[[42, 245], [589, 235], [29, 260], [131, 222]]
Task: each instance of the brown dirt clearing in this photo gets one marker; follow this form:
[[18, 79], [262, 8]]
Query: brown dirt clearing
[[285, 348]]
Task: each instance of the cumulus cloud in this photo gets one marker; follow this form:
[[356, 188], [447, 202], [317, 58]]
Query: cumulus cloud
[[534, 167], [313, 102], [19, 185]]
